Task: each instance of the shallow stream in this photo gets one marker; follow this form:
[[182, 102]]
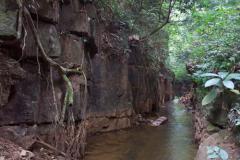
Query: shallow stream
[[170, 141]]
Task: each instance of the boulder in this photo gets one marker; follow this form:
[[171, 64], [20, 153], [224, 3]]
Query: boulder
[[218, 116], [222, 139]]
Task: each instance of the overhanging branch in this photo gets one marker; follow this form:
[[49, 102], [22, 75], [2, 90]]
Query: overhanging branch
[[167, 20]]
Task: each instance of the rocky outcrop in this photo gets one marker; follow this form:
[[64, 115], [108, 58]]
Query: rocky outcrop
[[10, 74], [9, 150], [223, 139], [120, 81], [209, 125]]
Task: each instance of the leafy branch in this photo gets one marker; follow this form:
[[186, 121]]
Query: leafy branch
[[171, 4], [219, 82]]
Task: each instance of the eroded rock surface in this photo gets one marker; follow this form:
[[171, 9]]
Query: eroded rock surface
[[120, 81], [10, 73], [223, 139]]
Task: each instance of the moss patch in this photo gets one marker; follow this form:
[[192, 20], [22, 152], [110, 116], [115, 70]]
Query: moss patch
[[8, 23]]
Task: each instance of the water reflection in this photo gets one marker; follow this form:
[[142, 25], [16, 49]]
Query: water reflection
[[171, 141]]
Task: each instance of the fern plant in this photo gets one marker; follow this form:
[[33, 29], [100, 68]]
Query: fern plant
[[219, 83]]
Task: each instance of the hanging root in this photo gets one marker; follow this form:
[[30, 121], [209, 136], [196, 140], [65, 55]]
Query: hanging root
[[68, 100], [76, 136]]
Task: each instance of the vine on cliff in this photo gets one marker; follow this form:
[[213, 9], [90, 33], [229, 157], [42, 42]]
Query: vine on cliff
[[74, 136], [68, 100]]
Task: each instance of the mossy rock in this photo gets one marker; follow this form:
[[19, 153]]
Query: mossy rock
[[217, 113], [8, 19], [212, 128]]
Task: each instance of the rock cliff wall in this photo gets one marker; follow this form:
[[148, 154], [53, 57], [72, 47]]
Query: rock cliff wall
[[120, 83]]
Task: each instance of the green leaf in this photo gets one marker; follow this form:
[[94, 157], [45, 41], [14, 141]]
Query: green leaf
[[223, 74], [215, 152], [213, 82], [223, 154], [235, 76], [228, 84], [235, 91], [209, 97], [209, 75], [213, 156], [238, 123]]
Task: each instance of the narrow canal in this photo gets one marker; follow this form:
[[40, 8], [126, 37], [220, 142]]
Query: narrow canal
[[170, 141]]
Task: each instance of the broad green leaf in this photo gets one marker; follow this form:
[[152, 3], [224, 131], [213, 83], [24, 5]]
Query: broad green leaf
[[217, 152], [235, 91], [223, 74], [238, 123], [216, 149], [209, 75], [209, 150], [213, 156], [228, 84], [223, 154], [235, 76], [209, 97], [213, 82]]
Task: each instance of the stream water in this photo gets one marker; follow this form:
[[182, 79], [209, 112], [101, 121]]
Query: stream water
[[170, 141]]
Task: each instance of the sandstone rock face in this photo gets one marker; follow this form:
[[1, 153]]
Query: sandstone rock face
[[74, 18], [45, 10], [110, 100], [50, 39], [120, 82], [149, 88], [10, 74]]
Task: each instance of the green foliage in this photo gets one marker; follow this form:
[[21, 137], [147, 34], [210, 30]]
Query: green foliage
[[210, 97], [143, 17], [208, 34], [219, 82], [215, 152], [180, 72]]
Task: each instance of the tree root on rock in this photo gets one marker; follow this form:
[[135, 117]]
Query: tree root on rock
[[68, 100]]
